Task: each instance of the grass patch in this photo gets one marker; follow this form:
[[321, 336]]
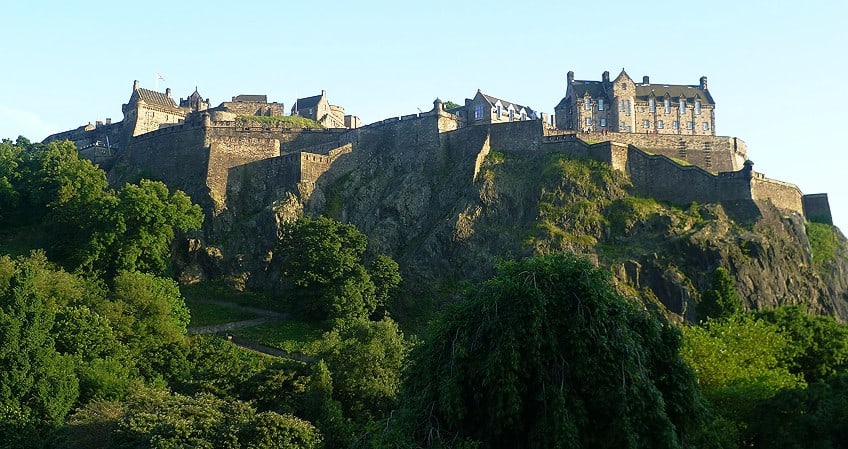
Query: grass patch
[[496, 157], [224, 290], [823, 242], [206, 314], [287, 121], [299, 337]]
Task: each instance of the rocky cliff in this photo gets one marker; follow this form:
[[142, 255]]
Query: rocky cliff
[[447, 208]]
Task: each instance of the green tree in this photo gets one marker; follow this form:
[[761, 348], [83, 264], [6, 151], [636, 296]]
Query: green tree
[[818, 345], [815, 417], [146, 311], [365, 359], [385, 274], [721, 300], [739, 363], [10, 160], [322, 263], [159, 419], [37, 384], [547, 355], [146, 218]]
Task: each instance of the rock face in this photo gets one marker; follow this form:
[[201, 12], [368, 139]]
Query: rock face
[[448, 205]]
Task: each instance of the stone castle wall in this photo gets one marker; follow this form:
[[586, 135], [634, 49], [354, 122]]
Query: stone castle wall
[[176, 155], [817, 208], [712, 153], [785, 196], [254, 108]]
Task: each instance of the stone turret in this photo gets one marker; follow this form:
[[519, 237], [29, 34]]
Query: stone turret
[[438, 106]]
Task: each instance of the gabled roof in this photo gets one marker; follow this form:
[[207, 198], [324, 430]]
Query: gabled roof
[[308, 102], [195, 95], [506, 104], [595, 89], [153, 97], [643, 92]]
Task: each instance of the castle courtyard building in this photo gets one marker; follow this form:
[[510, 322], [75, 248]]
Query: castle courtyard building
[[623, 105]]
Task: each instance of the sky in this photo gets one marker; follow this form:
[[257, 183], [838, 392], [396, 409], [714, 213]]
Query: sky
[[774, 67]]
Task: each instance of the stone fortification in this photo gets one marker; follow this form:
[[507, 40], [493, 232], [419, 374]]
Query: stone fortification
[[817, 208], [712, 153], [661, 176]]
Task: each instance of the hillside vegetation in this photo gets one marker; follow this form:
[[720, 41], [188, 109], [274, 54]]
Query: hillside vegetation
[[536, 302]]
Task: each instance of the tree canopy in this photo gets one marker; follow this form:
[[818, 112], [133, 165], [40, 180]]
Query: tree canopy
[[548, 355]]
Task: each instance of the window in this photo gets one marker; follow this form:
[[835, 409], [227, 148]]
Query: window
[[628, 107], [682, 106], [675, 124], [588, 121], [652, 104], [478, 112], [698, 107], [646, 124], [621, 106], [499, 111], [667, 106], [706, 126], [523, 115], [587, 104], [622, 126], [660, 124], [604, 123], [690, 125], [600, 104], [511, 115]]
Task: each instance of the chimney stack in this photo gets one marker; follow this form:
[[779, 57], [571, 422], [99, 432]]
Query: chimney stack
[[646, 79], [135, 85], [605, 76], [569, 77], [168, 92], [704, 82]]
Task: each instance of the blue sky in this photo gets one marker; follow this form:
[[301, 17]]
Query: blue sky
[[68, 63]]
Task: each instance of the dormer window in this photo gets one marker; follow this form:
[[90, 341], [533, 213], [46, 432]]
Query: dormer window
[[682, 106], [478, 112], [499, 111], [587, 103], [652, 104], [600, 104], [667, 106], [698, 107]]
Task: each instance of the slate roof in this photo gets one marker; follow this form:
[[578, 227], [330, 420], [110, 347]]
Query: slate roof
[[308, 102], [152, 97], [599, 89], [643, 92], [492, 100]]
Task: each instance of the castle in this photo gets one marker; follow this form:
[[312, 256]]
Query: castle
[[204, 150], [622, 105]]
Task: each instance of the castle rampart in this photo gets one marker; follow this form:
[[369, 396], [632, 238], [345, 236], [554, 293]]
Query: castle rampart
[[712, 153]]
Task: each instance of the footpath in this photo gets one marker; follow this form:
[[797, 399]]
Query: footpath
[[265, 316]]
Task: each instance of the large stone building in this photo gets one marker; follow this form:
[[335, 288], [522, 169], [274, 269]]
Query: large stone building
[[622, 105], [148, 110], [253, 105], [485, 109], [318, 108]]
